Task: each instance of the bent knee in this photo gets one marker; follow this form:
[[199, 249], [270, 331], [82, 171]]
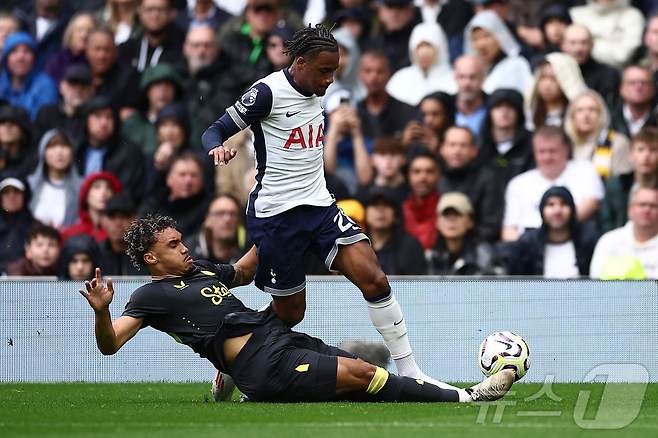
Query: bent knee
[[290, 311], [363, 370], [376, 285]]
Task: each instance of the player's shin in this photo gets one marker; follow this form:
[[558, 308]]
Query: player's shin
[[386, 315], [391, 388]]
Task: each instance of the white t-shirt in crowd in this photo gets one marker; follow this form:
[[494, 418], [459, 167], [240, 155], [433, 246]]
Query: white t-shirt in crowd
[[621, 242], [524, 192], [560, 260], [51, 208]]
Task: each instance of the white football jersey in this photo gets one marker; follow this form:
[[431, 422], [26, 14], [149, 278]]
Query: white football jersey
[[288, 126]]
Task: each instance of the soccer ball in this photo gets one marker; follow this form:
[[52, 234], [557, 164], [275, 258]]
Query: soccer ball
[[504, 350]]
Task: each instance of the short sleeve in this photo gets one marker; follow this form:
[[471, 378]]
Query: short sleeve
[[225, 272], [143, 304]]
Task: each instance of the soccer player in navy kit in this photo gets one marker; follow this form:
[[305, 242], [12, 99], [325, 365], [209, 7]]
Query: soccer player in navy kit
[[290, 210], [192, 302]]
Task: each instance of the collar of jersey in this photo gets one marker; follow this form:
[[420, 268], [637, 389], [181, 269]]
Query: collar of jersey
[[294, 85]]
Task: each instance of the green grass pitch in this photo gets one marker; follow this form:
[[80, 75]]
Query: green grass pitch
[[186, 410]]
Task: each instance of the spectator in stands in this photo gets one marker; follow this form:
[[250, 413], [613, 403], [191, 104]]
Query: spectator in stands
[[78, 258], [15, 220], [346, 82], [457, 251], [380, 114], [557, 81], [55, 183], [104, 149], [275, 46], [41, 253], [615, 26], [430, 69], [110, 78], [346, 153], [95, 191], [120, 16], [635, 108], [398, 252], [551, 150], [470, 99], [488, 37], [160, 85], [388, 160], [159, 41], [202, 13], [561, 247], [647, 56], [185, 200], [587, 124], [505, 143], [117, 216], [397, 19], [453, 16], [600, 77], [356, 20], [554, 21], [21, 84], [8, 25], [419, 209], [74, 44], [45, 23], [644, 155], [222, 237], [75, 90], [436, 114], [461, 172], [16, 142], [243, 48], [637, 240], [204, 93]]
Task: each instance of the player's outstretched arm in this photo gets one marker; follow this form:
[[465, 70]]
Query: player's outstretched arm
[[110, 336], [245, 268]]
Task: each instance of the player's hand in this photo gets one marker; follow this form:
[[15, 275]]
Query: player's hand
[[98, 295], [222, 155]]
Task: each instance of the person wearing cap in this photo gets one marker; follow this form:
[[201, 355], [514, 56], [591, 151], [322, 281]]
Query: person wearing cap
[[103, 149], [457, 251], [15, 219], [21, 84], [461, 172], [78, 258], [16, 142], [73, 46], [398, 252], [560, 248], [505, 144], [42, 248], [419, 209], [75, 89], [637, 239], [95, 191], [578, 42], [55, 183], [159, 41], [397, 19], [115, 219], [160, 85]]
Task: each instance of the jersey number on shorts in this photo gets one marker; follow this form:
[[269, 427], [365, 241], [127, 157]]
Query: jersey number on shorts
[[340, 220]]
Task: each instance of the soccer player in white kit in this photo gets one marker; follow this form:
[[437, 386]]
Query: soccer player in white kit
[[290, 209]]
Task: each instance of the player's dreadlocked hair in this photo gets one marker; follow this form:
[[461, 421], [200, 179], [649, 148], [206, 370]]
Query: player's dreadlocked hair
[[140, 236], [309, 41]]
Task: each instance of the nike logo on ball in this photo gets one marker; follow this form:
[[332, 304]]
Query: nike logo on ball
[[289, 114]]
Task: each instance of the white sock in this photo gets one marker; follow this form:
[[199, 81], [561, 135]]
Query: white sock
[[387, 318]]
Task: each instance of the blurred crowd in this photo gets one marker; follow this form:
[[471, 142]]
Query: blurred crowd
[[467, 137]]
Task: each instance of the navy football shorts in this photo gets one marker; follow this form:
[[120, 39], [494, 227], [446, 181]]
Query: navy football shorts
[[282, 240]]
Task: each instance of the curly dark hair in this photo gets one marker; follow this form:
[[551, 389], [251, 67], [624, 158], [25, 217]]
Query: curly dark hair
[[140, 236], [310, 40]]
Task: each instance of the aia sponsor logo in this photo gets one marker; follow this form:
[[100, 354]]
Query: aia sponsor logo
[[306, 138]]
